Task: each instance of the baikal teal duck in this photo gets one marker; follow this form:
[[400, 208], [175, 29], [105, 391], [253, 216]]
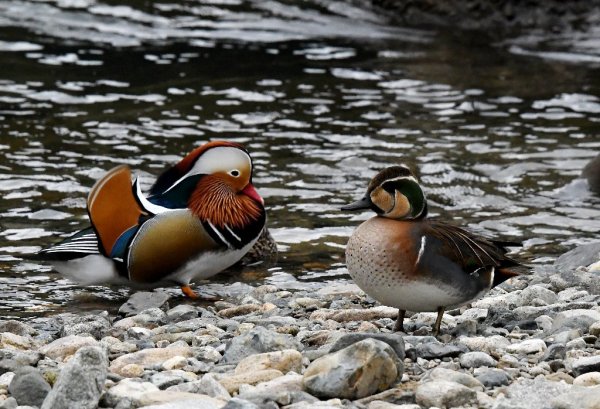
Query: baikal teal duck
[[405, 260]]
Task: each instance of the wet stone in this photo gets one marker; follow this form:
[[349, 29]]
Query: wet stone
[[182, 312], [143, 300]]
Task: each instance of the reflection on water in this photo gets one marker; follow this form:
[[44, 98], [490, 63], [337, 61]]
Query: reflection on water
[[322, 94]]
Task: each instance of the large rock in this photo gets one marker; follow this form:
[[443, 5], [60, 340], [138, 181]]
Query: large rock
[[444, 394], [574, 319], [579, 256], [127, 389], [143, 300], [444, 374], [18, 358], [579, 398], [13, 341], [530, 394], [437, 350], [584, 365], [17, 327], [80, 382], [394, 340], [67, 346], [359, 370], [148, 357], [29, 387], [95, 325], [256, 341]]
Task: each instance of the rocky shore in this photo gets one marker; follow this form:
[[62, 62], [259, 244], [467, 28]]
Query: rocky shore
[[534, 342]]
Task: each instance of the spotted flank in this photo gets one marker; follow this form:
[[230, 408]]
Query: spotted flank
[[405, 260]]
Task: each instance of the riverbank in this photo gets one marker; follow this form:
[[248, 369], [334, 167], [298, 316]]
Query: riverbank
[[496, 18], [533, 342]]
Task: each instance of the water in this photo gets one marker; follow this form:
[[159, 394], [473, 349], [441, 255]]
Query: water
[[322, 94]]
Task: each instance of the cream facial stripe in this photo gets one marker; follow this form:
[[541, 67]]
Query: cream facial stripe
[[220, 159]]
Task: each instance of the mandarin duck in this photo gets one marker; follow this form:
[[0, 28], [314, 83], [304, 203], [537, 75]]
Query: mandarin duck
[[201, 216], [405, 260]]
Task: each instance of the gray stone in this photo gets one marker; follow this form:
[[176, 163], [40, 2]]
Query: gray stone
[[17, 327], [579, 256], [433, 350], [132, 390], [530, 394], [95, 325], [237, 403], [578, 398], [143, 300], [29, 387], [476, 359], [9, 403], [445, 374], [80, 382], [584, 365], [359, 370], [393, 340], [182, 312], [21, 358], [579, 319], [163, 380], [256, 341], [444, 394], [492, 377], [208, 385]]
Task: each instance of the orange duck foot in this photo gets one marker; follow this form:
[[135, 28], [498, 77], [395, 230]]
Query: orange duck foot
[[188, 292]]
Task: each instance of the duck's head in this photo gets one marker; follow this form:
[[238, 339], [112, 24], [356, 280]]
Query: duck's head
[[214, 180], [394, 193]]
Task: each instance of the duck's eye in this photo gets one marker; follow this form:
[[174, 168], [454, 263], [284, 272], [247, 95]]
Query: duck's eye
[[235, 173]]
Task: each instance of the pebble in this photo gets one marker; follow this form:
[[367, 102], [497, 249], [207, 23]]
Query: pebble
[[65, 347], [583, 365], [148, 357], [444, 394], [258, 340], [444, 374], [437, 350], [359, 370], [208, 385], [587, 379], [284, 361], [476, 359], [492, 377], [232, 383], [529, 346]]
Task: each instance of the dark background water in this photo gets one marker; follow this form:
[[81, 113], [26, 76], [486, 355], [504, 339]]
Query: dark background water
[[323, 94]]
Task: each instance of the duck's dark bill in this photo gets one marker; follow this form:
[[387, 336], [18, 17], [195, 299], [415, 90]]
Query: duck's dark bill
[[364, 203]]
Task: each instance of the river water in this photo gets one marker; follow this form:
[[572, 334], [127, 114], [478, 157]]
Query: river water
[[322, 93]]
